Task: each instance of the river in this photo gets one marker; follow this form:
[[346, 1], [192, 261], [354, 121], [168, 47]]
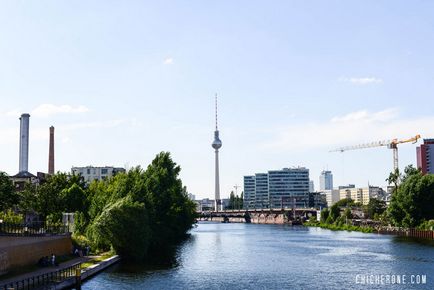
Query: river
[[251, 256]]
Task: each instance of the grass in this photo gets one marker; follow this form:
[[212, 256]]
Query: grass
[[343, 227], [96, 260]]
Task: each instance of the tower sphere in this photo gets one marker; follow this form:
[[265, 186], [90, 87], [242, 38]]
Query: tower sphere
[[216, 144]]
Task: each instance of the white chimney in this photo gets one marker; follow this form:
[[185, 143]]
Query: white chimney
[[24, 143]]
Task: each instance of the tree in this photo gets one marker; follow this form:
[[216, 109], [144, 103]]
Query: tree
[[324, 215], [413, 201], [394, 178], [375, 207], [124, 225], [140, 211], [173, 212], [8, 196], [231, 201], [58, 193]]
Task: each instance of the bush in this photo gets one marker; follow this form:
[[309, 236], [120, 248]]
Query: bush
[[10, 216]]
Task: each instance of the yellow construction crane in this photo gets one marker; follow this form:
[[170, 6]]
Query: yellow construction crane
[[391, 144]]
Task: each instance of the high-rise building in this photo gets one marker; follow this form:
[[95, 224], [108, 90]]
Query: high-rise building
[[277, 188], [326, 180], [262, 198], [249, 192], [288, 187], [311, 186], [424, 154], [217, 144]]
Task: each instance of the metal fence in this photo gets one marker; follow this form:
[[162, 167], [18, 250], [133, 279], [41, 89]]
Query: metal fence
[[46, 279], [32, 229]]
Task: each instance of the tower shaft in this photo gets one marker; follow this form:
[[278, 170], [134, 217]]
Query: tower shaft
[[217, 182]]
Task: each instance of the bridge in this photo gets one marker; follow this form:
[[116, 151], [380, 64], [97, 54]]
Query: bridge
[[260, 216]]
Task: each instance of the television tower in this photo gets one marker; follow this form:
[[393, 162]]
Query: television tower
[[217, 144]]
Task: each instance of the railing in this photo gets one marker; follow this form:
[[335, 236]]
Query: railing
[[32, 229], [45, 279], [411, 232]]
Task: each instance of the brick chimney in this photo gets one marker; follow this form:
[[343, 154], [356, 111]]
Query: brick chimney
[[51, 152]]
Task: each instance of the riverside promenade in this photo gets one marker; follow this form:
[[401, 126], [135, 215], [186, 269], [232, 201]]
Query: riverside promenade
[[26, 280]]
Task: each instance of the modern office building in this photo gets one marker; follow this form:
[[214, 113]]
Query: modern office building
[[262, 198], [311, 186], [332, 196], [90, 173], [326, 180], [249, 192], [424, 152], [288, 184], [277, 188]]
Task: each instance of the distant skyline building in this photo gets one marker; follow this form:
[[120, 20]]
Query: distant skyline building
[[90, 173], [217, 144], [311, 186], [277, 188], [425, 155], [326, 180]]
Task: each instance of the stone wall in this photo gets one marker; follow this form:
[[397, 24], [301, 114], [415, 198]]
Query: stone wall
[[22, 251]]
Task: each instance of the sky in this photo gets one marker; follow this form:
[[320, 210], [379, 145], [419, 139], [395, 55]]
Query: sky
[[122, 81]]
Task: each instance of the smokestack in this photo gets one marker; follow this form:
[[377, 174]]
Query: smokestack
[[24, 143], [51, 152]]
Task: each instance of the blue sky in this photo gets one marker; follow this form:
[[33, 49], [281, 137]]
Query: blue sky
[[124, 80]]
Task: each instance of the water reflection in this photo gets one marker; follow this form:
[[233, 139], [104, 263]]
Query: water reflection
[[240, 256]]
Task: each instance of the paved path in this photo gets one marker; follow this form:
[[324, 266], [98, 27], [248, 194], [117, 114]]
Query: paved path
[[44, 270]]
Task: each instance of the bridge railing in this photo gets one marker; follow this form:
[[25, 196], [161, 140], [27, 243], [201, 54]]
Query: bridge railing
[[46, 279]]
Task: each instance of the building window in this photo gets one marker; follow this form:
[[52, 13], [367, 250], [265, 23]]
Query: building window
[[104, 171]]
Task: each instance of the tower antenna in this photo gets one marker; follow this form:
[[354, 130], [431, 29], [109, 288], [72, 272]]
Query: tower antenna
[[216, 112]]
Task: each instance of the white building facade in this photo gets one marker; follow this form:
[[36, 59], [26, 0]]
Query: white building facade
[[90, 173]]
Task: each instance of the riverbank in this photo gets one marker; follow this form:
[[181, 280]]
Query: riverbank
[[404, 232], [63, 276], [344, 227], [88, 270]]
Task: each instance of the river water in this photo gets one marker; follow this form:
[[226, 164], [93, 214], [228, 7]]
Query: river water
[[251, 256]]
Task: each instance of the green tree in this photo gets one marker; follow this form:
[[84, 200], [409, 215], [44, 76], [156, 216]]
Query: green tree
[[172, 212], [375, 207], [231, 204], [324, 215], [413, 201], [8, 196], [123, 225], [394, 178]]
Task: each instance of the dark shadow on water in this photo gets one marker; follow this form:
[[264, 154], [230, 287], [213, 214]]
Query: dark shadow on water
[[160, 259], [410, 240]]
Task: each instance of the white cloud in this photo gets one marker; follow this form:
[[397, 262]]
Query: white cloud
[[97, 124], [365, 116], [46, 110], [361, 80], [351, 129], [168, 61]]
